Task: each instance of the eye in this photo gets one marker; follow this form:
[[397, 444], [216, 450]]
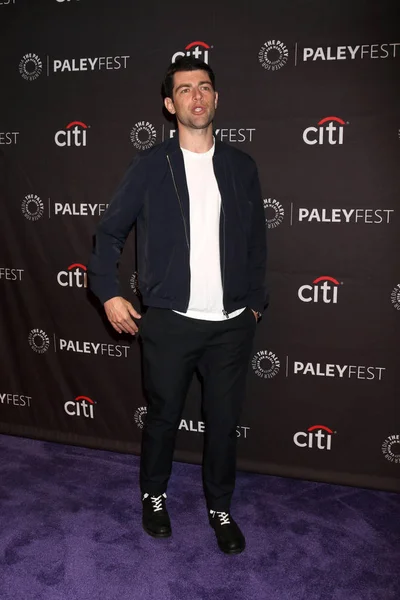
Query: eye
[[184, 90]]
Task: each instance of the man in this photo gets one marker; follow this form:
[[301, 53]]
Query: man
[[201, 265]]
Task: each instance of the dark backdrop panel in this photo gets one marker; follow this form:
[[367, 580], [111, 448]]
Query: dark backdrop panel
[[310, 90]]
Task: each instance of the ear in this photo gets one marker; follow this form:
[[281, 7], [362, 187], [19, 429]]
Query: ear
[[216, 100], [169, 105]]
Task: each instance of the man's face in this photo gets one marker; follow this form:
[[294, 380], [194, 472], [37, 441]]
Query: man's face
[[193, 99]]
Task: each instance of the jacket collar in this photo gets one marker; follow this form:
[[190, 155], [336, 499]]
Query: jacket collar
[[172, 145]]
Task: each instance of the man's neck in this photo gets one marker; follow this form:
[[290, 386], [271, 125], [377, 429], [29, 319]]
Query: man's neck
[[196, 140]]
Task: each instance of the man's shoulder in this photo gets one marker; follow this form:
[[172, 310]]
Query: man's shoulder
[[237, 156], [153, 152]]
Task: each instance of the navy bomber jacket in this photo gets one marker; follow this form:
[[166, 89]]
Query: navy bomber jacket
[[154, 195]]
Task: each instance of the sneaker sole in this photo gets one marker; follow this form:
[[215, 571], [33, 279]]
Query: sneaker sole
[[167, 534], [237, 551]]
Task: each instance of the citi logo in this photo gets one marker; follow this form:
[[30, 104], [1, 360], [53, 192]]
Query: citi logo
[[317, 436], [323, 289], [74, 276], [82, 406], [73, 135], [329, 131], [197, 49]]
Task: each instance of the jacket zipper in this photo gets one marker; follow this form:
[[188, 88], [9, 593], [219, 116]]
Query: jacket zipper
[[224, 312], [180, 203]]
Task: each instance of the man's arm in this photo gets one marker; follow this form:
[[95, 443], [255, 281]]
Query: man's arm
[[110, 238], [257, 252]]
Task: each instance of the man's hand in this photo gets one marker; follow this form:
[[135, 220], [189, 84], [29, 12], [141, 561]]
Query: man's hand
[[120, 312], [255, 314]]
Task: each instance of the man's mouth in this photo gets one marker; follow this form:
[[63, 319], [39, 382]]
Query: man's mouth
[[198, 110]]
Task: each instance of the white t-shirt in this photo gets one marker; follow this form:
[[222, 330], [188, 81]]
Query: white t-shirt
[[206, 294]]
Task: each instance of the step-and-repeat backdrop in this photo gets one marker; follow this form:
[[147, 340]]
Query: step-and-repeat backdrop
[[311, 91]]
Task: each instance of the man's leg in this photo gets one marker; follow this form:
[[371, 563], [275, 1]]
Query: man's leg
[[171, 349], [224, 367]]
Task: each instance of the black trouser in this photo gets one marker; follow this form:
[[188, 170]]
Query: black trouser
[[174, 346]]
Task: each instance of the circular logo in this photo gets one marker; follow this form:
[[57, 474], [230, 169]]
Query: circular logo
[[134, 283], [265, 364], [32, 207], [391, 449], [274, 213], [30, 66], [143, 135], [273, 55], [39, 341], [395, 296], [140, 415]]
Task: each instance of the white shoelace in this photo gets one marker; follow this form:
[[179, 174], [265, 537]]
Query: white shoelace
[[156, 500], [223, 517]]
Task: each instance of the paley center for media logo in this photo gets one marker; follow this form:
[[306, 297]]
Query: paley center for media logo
[[33, 208], [316, 436], [266, 364], [74, 276], [186, 425], [329, 131], [391, 449], [134, 283], [143, 135], [274, 54], [81, 406], [274, 213], [199, 50], [323, 289], [395, 296], [31, 65], [39, 341]]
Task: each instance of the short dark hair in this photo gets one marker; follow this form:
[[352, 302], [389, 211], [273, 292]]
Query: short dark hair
[[185, 63]]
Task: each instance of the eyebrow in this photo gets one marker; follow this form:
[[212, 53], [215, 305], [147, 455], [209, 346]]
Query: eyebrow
[[191, 85]]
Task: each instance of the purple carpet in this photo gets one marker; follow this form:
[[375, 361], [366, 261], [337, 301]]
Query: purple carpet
[[70, 525]]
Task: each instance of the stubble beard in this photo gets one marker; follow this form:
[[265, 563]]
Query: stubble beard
[[194, 125]]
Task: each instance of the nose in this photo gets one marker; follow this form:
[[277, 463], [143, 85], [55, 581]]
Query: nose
[[197, 93]]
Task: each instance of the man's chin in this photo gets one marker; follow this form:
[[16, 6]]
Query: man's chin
[[200, 125], [197, 123]]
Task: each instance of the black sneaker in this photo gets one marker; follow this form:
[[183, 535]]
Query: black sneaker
[[229, 537], [155, 516]]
